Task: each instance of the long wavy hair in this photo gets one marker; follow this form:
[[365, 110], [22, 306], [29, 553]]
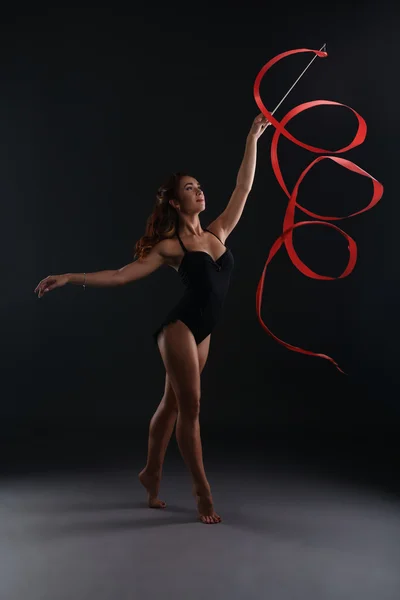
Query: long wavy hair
[[164, 220]]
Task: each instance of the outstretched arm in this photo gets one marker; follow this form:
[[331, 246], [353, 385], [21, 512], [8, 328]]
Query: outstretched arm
[[229, 218], [143, 266], [135, 270], [112, 278]]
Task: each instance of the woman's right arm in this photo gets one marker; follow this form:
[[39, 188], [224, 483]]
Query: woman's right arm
[[143, 266], [131, 272], [135, 270]]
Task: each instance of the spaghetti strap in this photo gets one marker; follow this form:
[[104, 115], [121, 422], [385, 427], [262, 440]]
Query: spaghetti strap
[[181, 243], [215, 236]]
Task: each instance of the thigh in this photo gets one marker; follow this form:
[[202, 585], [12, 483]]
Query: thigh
[[202, 351], [180, 356]]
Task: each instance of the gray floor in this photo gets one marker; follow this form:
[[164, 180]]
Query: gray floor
[[285, 535]]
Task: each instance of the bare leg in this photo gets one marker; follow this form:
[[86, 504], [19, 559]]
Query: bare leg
[[161, 428], [180, 355]]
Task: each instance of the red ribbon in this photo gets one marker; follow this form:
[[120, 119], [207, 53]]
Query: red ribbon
[[288, 224]]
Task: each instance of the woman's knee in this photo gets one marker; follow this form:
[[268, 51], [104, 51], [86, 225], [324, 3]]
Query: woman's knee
[[169, 402], [188, 401], [169, 399]]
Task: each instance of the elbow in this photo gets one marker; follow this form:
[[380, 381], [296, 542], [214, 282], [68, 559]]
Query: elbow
[[118, 279], [244, 187]]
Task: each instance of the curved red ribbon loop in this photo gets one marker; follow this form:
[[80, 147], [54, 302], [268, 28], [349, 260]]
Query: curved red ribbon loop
[[289, 224]]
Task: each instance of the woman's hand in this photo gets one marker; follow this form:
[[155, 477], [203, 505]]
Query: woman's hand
[[260, 124], [51, 283]]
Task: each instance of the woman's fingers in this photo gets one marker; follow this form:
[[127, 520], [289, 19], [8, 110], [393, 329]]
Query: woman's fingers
[[41, 284], [37, 288], [48, 284]]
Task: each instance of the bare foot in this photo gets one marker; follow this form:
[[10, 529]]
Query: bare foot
[[205, 507], [152, 485]]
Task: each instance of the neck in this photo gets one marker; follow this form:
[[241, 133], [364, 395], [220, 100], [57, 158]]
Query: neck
[[190, 225]]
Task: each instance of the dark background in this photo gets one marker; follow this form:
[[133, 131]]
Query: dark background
[[97, 107]]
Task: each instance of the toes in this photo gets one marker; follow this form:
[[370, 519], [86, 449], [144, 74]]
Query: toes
[[216, 519], [210, 520], [157, 504]]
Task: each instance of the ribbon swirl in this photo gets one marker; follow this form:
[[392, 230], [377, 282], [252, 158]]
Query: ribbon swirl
[[288, 224]]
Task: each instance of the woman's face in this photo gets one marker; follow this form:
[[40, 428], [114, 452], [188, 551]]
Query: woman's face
[[191, 196]]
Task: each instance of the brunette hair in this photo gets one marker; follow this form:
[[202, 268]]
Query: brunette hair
[[163, 222]]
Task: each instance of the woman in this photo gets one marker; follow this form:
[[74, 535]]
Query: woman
[[175, 237]]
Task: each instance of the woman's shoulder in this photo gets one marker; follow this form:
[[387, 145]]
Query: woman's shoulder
[[169, 249]]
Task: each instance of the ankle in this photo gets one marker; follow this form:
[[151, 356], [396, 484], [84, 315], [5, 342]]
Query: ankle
[[153, 472], [202, 490]]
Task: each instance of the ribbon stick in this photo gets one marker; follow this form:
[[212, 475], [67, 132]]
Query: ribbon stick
[[288, 224], [298, 79]]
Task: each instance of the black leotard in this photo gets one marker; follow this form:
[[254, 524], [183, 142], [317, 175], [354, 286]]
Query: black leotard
[[207, 283]]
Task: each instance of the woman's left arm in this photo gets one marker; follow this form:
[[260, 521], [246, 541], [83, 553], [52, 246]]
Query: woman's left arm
[[229, 218]]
